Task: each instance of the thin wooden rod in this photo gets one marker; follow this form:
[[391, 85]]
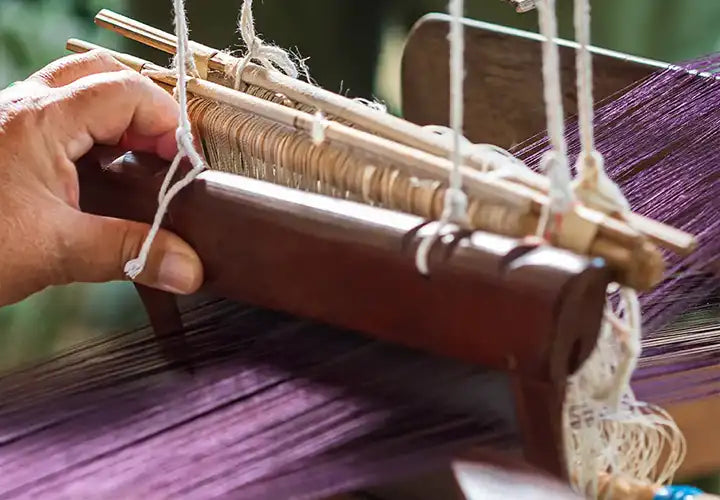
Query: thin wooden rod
[[383, 124]]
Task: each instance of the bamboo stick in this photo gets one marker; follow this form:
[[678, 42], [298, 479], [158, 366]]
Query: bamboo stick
[[641, 266], [382, 124]]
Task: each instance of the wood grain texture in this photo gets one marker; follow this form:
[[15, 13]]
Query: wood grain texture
[[503, 88], [698, 421], [534, 312]]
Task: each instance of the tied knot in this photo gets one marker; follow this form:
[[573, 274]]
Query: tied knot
[[319, 125], [595, 188], [589, 166], [558, 172], [456, 207], [454, 212], [268, 56]]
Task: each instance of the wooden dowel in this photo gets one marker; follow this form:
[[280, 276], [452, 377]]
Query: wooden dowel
[[382, 124]]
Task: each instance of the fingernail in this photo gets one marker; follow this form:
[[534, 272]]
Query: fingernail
[[177, 273]]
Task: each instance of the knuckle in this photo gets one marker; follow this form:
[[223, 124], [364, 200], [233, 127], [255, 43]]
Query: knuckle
[[131, 79], [119, 83], [24, 116], [102, 57]]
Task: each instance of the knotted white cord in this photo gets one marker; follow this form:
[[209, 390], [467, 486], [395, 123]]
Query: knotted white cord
[[184, 61], [595, 188], [554, 162], [319, 125], [611, 431], [456, 201], [268, 56]]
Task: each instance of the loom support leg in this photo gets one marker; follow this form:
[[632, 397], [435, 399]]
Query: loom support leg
[[166, 321], [539, 410]]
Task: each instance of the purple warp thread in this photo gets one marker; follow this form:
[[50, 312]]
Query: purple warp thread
[[277, 408], [661, 142]]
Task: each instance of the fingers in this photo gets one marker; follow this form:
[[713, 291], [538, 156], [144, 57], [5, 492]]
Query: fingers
[[68, 69], [165, 146], [103, 108], [97, 249]]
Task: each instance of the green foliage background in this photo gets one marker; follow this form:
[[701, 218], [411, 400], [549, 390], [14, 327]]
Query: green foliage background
[[352, 45]]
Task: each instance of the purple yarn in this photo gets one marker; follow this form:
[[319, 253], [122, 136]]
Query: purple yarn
[[661, 142], [277, 408]]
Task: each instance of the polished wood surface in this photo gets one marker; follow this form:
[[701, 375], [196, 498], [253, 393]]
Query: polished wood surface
[[503, 88], [352, 266]]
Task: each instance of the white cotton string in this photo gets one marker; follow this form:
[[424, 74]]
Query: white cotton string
[[456, 201], [606, 428], [268, 56], [319, 125], [584, 75], [555, 162], [495, 162], [184, 61], [594, 187]]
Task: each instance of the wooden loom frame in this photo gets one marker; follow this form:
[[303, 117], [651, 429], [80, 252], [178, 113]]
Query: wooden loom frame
[[501, 83], [474, 276]]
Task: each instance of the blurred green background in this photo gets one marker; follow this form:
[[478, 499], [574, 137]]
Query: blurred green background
[[353, 46]]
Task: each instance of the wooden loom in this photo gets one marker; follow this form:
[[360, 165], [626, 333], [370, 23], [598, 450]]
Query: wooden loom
[[310, 245]]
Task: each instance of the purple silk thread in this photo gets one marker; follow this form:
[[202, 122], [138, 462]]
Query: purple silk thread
[[277, 408], [661, 142]]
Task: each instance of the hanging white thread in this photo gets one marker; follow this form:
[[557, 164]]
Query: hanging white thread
[[268, 56], [594, 187], [611, 431], [456, 201], [555, 162], [184, 61]]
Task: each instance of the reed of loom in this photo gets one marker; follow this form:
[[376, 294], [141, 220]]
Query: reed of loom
[[306, 245], [406, 178]]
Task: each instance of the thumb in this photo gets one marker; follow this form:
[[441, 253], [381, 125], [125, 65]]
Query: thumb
[[97, 249]]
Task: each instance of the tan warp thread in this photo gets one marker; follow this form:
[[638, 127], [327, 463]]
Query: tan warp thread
[[245, 144], [359, 175]]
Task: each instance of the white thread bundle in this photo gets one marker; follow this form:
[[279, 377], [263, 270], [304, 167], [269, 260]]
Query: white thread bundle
[[606, 428], [268, 56], [185, 143], [555, 162], [456, 201]]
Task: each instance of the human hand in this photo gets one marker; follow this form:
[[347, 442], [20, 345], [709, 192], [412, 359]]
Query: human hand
[[48, 122]]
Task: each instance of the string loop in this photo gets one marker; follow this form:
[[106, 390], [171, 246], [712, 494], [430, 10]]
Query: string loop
[[268, 56], [184, 63], [456, 201]]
